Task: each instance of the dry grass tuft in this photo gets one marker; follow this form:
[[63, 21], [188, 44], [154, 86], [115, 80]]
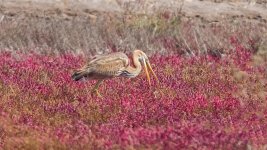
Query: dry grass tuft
[[95, 33]]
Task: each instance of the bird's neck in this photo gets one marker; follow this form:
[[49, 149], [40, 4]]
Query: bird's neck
[[136, 69], [137, 63]]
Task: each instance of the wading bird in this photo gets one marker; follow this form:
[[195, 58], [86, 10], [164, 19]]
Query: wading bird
[[114, 65]]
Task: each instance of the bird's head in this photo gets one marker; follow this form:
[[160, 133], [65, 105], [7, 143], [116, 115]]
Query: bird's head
[[143, 59]]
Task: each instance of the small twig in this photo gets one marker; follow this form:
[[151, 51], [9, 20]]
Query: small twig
[[197, 42], [2, 18], [202, 41], [191, 52], [181, 7]]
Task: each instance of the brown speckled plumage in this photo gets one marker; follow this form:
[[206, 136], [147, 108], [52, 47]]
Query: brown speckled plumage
[[113, 65]]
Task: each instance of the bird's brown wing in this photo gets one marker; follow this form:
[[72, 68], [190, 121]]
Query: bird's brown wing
[[109, 65]]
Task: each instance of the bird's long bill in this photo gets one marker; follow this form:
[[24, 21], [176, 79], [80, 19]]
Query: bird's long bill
[[153, 73], [147, 74]]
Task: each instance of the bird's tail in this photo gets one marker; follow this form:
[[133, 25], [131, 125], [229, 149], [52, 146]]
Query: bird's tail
[[79, 74]]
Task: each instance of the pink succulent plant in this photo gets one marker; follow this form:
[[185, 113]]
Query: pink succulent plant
[[199, 104]]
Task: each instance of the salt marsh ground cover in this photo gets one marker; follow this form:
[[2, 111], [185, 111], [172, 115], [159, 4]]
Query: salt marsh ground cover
[[202, 102]]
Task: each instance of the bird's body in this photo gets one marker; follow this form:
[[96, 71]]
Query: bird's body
[[113, 65], [104, 66]]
